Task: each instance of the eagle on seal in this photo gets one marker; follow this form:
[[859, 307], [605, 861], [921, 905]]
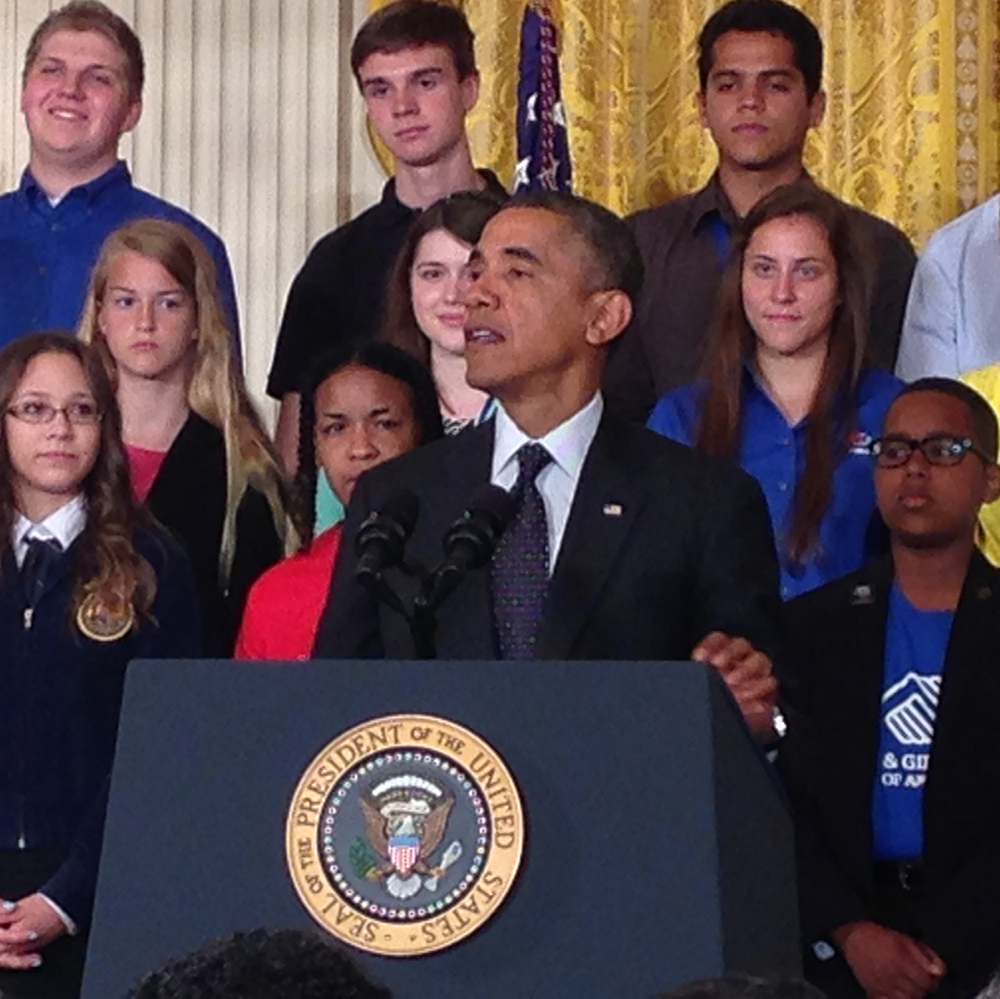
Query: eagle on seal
[[405, 824]]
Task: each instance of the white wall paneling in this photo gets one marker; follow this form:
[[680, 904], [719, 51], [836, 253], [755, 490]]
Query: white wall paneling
[[250, 120]]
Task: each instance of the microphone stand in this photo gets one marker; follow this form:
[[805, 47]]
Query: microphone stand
[[420, 619]]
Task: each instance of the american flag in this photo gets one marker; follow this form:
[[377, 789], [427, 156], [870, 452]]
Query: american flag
[[543, 160]]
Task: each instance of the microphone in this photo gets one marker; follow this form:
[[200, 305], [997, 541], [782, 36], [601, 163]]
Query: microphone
[[469, 542], [383, 536]]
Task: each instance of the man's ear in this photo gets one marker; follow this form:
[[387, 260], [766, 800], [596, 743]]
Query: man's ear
[[611, 313], [992, 490], [817, 108], [132, 116], [701, 109], [470, 90]]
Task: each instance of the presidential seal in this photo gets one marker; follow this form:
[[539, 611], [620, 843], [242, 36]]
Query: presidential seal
[[404, 835]]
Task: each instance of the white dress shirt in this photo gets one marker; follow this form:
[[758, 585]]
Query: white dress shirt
[[568, 444], [951, 323], [64, 526]]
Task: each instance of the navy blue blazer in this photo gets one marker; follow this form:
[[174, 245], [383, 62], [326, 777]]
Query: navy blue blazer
[[832, 685], [61, 695]]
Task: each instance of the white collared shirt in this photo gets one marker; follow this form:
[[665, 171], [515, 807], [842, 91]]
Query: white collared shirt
[[64, 526], [568, 444]]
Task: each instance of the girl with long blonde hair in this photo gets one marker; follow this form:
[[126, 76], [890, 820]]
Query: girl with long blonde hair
[[198, 454]]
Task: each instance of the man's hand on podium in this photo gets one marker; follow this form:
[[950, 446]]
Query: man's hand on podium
[[748, 675], [26, 926]]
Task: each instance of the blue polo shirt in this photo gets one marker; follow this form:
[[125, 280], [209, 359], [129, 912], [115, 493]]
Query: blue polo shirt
[[774, 454], [916, 643], [46, 253]]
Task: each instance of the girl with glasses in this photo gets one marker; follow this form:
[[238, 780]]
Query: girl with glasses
[[87, 583]]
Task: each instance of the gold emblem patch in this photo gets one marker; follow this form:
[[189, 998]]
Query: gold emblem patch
[[404, 835], [103, 622]]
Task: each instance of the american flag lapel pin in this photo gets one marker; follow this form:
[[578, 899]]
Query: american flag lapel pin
[[612, 509]]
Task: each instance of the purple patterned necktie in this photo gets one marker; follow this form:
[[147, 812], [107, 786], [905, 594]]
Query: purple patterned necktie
[[521, 561]]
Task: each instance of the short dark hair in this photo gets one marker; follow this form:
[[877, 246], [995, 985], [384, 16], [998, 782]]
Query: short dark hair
[[615, 253], [91, 15], [462, 215], [262, 964], [741, 986], [774, 17], [365, 353], [410, 24], [981, 415]]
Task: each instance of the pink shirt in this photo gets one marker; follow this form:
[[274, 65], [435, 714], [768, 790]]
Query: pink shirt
[[144, 466]]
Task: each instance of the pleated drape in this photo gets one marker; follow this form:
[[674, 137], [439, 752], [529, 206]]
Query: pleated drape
[[912, 129]]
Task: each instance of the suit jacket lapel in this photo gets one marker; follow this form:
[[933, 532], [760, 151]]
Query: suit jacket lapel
[[608, 498], [862, 668], [975, 615], [466, 628]]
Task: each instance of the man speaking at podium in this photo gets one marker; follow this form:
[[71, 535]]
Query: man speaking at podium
[[621, 545]]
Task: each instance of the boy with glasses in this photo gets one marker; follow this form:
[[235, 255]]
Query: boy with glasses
[[893, 750]]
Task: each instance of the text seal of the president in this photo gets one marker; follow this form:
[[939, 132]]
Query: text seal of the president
[[405, 835]]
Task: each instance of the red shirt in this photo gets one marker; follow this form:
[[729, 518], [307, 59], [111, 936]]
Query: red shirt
[[144, 466], [284, 604]]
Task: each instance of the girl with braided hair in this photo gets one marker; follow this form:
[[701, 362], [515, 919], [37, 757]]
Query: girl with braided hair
[[361, 405]]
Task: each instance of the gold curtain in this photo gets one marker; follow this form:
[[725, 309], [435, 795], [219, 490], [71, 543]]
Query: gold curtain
[[912, 129]]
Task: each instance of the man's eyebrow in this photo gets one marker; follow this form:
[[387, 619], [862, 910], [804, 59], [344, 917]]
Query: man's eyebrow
[[522, 253], [413, 74], [778, 71]]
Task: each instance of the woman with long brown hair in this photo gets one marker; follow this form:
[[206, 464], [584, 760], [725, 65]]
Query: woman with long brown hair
[[786, 391], [424, 312], [198, 454], [87, 583]]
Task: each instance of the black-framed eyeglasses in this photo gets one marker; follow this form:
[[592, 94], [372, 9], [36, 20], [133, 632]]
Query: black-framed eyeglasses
[[895, 450], [82, 413]]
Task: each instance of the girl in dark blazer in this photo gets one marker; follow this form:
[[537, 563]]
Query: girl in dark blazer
[[87, 583], [198, 454]]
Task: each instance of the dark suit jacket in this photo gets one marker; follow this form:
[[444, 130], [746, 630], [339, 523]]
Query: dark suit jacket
[[662, 546], [832, 683], [189, 499], [61, 694]]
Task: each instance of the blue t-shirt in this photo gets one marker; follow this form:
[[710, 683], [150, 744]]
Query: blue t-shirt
[[774, 454], [916, 642], [46, 252]]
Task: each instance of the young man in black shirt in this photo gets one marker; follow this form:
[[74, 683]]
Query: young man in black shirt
[[415, 64]]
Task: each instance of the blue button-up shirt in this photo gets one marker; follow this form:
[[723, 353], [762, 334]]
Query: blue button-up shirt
[[774, 454], [46, 252]]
